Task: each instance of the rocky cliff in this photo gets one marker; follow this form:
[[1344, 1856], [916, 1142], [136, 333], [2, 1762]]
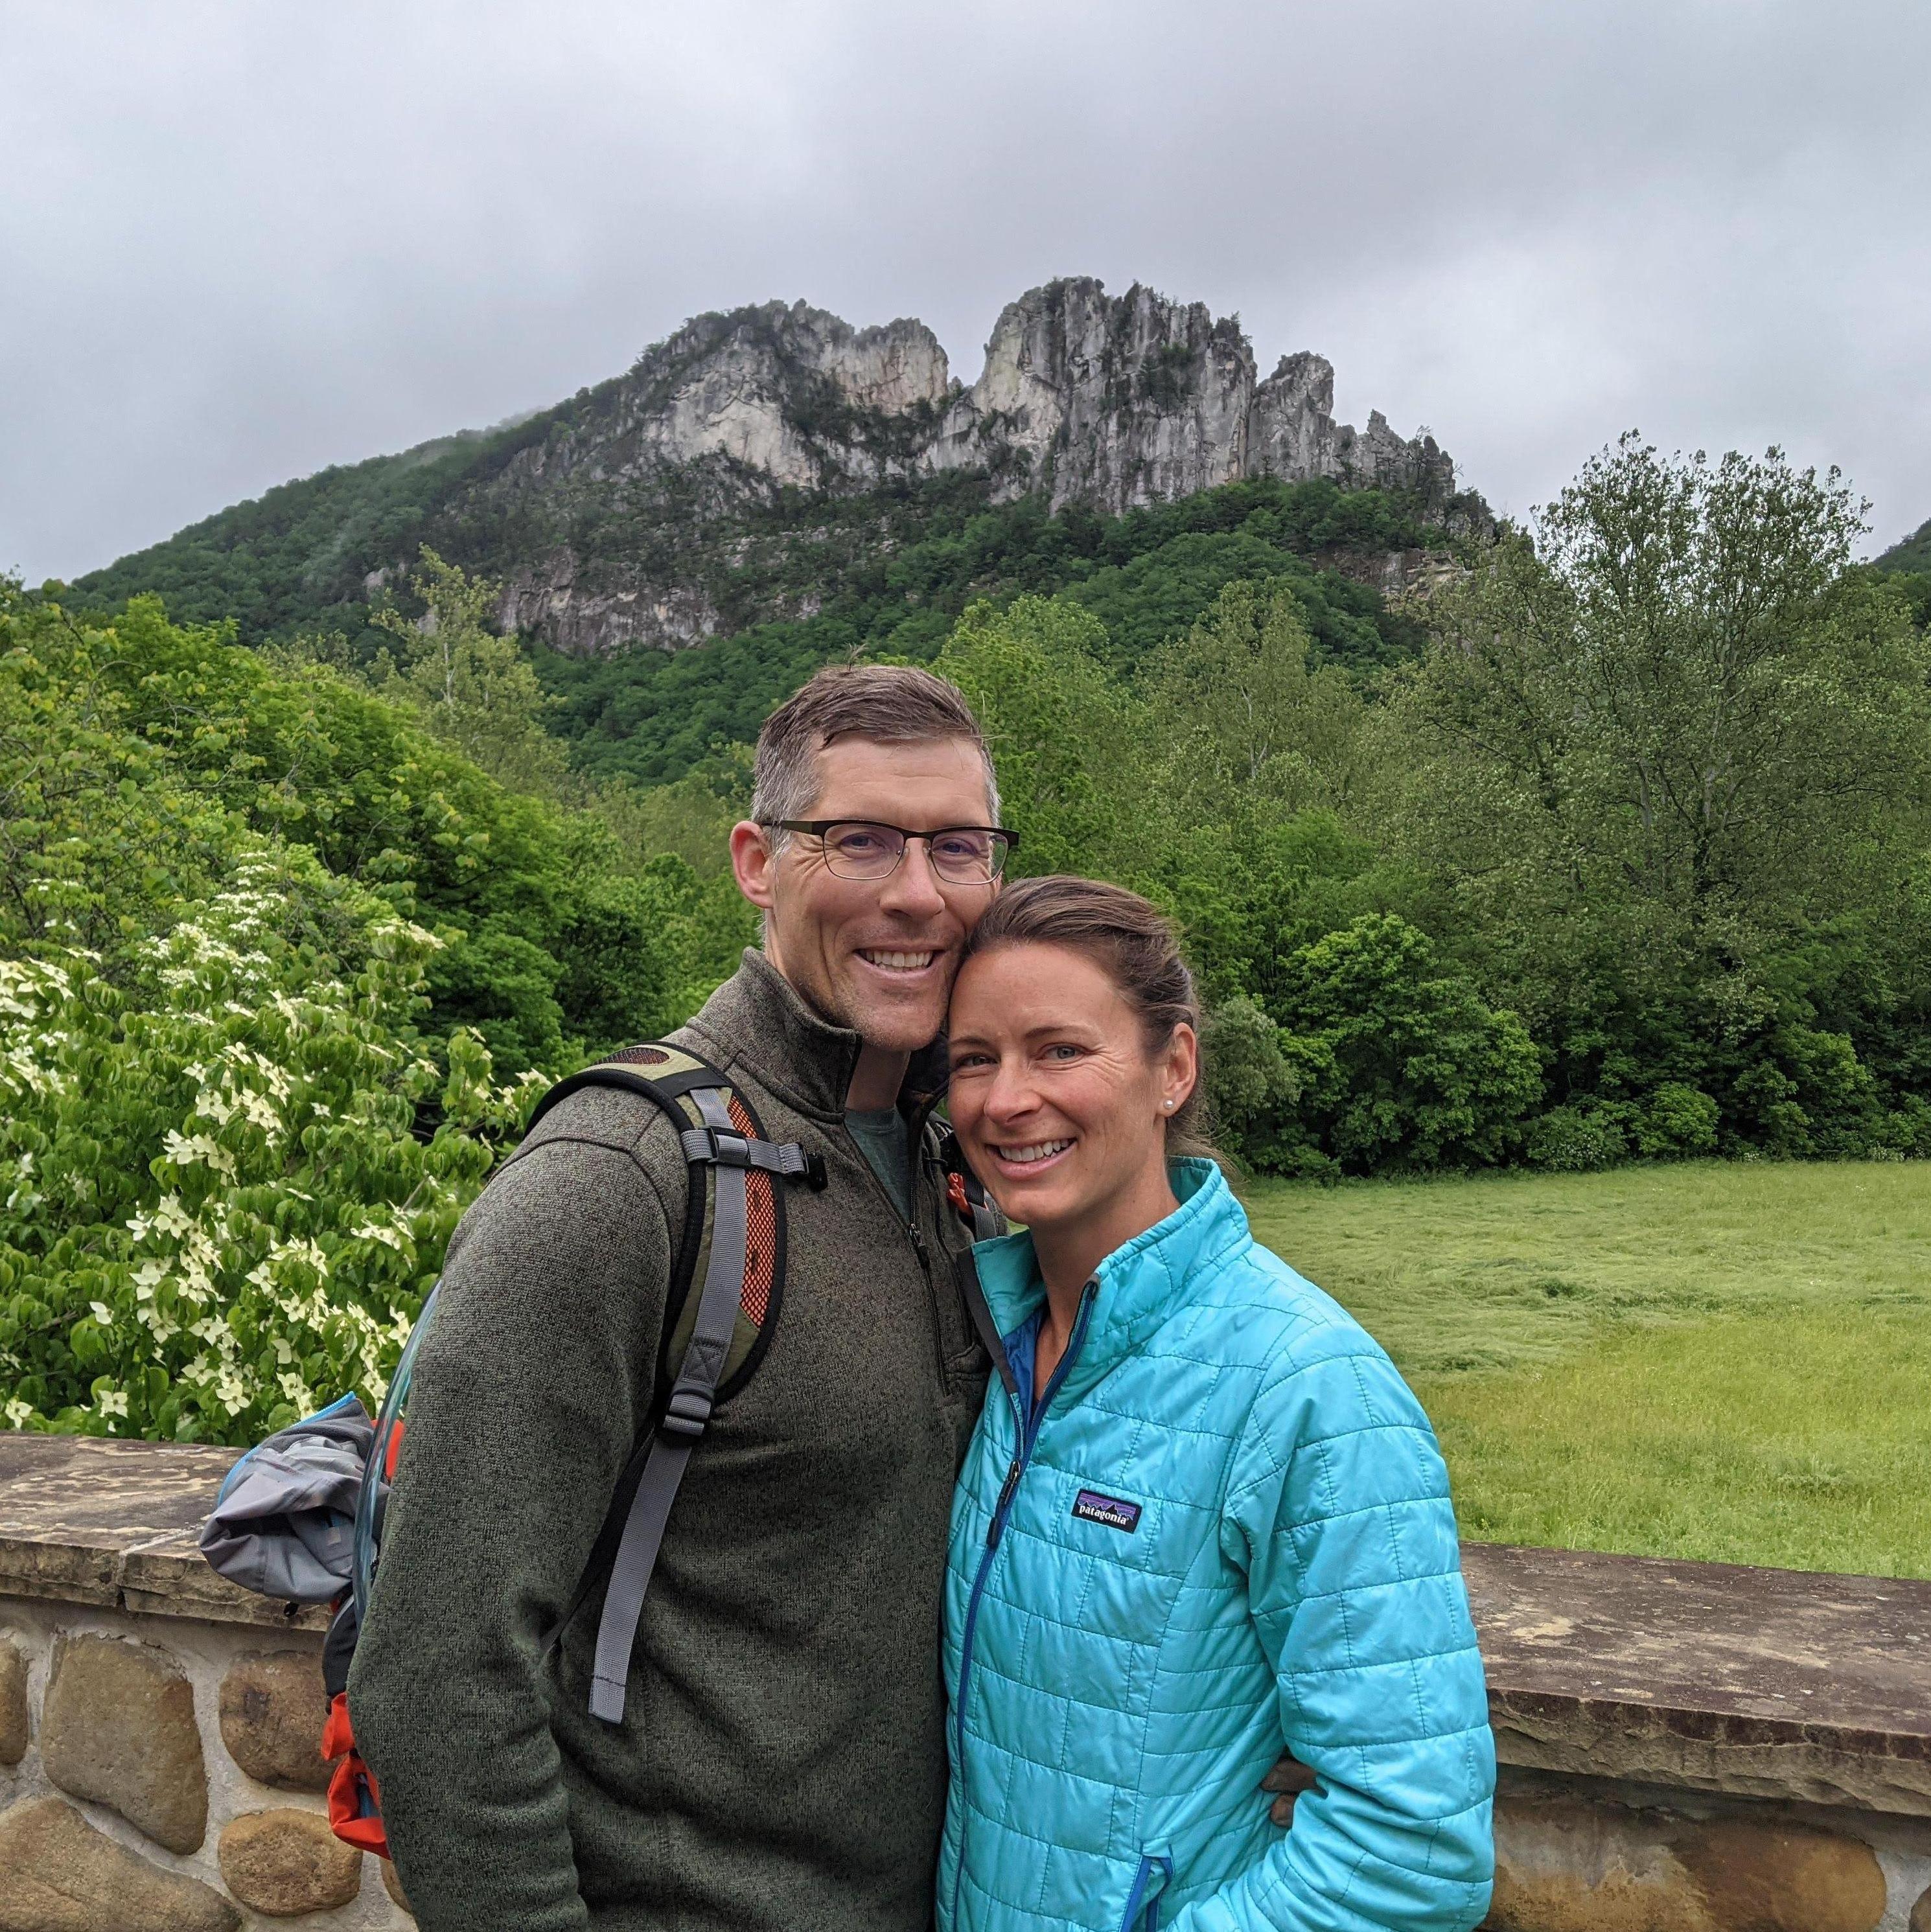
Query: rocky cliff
[[1107, 401], [1116, 400]]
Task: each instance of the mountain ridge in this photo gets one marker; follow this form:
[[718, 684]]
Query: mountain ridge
[[696, 492]]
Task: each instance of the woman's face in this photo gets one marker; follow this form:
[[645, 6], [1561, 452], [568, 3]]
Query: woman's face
[[1057, 1102]]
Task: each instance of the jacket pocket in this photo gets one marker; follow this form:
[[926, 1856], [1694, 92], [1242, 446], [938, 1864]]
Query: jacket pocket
[[1143, 1905]]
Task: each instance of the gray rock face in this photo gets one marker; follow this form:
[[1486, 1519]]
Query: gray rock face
[[1107, 401], [117, 1727], [57, 1874], [583, 619], [1115, 401], [795, 395]]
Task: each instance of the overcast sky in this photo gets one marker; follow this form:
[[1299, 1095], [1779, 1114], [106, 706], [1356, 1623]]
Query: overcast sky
[[239, 242]]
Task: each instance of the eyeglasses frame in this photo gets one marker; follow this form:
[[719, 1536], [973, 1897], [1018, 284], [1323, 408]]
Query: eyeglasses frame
[[817, 829]]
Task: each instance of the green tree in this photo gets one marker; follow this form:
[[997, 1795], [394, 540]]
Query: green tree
[[1653, 754], [1383, 1059], [1249, 724], [1062, 732], [1687, 685], [474, 689]]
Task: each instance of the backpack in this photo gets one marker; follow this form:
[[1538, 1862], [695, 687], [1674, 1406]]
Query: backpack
[[734, 1232]]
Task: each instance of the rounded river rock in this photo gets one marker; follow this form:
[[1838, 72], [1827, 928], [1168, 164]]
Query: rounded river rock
[[59, 1874], [117, 1727], [285, 1862], [272, 1709]]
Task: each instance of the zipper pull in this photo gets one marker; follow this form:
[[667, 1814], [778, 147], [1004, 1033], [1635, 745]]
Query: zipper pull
[[999, 1508]]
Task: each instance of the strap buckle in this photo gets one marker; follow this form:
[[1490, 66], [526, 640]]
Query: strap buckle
[[722, 1148], [686, 1415]]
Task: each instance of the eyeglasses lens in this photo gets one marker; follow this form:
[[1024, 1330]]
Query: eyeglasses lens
[[964, 857]]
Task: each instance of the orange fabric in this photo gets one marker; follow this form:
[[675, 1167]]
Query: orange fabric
[[355, 1804], [760, 1245], [393, 1450], [338, 1734]]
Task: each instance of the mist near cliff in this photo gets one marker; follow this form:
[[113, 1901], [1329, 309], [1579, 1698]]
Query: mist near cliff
[[239, 243]]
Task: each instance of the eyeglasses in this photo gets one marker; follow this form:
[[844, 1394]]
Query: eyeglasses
[[855, 848]]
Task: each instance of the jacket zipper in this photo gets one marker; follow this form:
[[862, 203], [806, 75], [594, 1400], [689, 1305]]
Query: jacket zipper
[[913, 1234], [1029, 1428], [1145, 1897]]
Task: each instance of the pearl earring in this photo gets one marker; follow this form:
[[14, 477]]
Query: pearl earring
[[1168, 1105]]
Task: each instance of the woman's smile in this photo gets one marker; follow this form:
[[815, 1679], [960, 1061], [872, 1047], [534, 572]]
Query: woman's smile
[[1025, 1162]]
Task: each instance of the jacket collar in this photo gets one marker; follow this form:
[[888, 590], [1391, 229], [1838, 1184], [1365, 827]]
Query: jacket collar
[[1138, 1286], [757, 1020]]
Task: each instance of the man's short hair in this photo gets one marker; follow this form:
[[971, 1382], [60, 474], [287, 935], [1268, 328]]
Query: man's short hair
[[889, 704]]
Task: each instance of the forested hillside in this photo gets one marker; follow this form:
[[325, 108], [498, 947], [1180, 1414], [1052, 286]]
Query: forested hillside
[[1613, 845], [1913, 555], [758, 463], [1146, 576]]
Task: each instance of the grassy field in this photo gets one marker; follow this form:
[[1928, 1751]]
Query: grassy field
[[1726, 1361]]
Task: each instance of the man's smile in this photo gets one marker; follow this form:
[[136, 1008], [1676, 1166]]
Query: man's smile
[[903, 962]]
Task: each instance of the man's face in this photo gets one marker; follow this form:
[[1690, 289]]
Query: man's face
[[878, 955]]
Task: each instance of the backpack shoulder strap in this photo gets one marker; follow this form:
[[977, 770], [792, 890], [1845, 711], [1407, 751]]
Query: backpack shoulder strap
[[734, 1230], [713, 1136], [963, 1189]]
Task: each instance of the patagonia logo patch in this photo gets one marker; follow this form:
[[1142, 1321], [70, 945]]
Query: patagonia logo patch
[[1089, 1506]]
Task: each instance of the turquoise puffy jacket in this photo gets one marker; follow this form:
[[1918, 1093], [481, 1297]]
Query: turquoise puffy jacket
[[1226, 1528]]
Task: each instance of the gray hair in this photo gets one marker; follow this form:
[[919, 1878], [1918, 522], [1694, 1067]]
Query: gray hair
[[889, 704]]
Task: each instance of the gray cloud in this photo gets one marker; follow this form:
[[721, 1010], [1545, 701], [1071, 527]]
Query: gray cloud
[[240, 242]]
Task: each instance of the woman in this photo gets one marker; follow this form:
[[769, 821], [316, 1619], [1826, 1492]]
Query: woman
[[1202, 1516]]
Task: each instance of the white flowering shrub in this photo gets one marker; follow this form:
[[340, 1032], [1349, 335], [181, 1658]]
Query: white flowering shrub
[[228, 1171]]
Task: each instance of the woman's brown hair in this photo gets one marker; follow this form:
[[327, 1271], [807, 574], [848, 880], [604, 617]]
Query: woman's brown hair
[[1133, 942]]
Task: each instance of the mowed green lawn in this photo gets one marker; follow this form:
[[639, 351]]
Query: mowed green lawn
[[1728, 1361]]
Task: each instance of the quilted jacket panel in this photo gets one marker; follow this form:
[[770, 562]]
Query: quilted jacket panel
[[1229, 1529]]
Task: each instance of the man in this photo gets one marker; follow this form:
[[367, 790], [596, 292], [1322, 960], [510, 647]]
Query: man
[[781, 1762]]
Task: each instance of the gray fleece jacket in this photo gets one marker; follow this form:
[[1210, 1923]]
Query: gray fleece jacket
[[782, 1762]]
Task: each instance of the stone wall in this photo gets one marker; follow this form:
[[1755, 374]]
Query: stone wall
[[1685, 1747], [1705, 1747], [1577, 1854], [159, 1730], [164, 1772]]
